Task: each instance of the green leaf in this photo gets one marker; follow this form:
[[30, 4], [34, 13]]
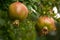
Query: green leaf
[[2, 22]]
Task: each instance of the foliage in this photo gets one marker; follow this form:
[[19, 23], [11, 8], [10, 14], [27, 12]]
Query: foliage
[[26, 28]]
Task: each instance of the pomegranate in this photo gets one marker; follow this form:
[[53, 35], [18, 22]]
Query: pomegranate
[[46, 24], [18, 10]]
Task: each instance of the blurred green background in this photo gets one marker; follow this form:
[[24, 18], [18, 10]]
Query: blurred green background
[[26, 29]]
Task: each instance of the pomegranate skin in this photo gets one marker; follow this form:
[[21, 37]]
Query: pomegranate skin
[[18, 10], [45, 21]]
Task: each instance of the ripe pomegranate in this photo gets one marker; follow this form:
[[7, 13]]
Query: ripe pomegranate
[[46, 24], [18, 10]]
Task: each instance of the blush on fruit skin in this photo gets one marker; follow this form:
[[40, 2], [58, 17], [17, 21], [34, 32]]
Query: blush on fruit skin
[[46, 21], [18, 10]]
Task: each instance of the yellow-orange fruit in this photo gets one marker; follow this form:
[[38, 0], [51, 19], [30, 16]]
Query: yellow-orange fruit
[[18, 10], [45, 21]]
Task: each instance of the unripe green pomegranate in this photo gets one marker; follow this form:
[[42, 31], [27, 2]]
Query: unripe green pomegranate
[[18, 10], [46, 24]]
